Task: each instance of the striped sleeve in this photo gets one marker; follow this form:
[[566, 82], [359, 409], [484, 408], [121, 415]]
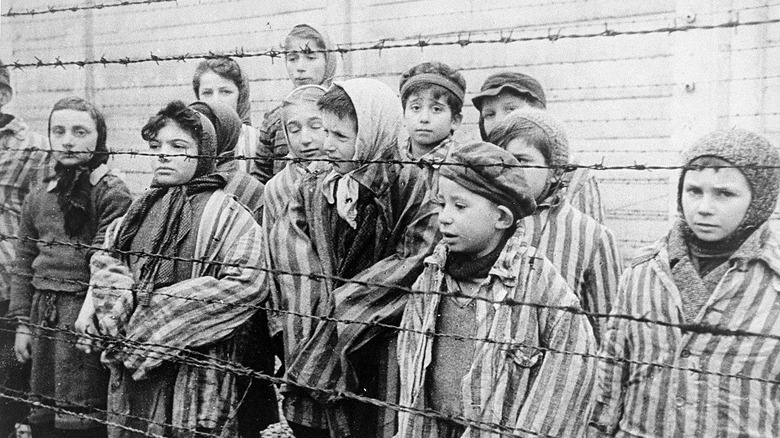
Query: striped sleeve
[[601, 280], [559, 397], [612, 375], [584, 194]]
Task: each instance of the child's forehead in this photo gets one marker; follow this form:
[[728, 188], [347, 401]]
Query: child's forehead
[[431, 92], [299, 107], [302, 44]]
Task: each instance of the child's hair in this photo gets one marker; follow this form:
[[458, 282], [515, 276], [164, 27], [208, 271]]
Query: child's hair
[[79, 104], [305, 93], [337, 101], [178, 112], [452, 87], [533, 135], [5, 77], [304, 32], [225, 67]]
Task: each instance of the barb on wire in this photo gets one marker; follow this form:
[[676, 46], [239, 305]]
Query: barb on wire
[[423, 41], [684, 327], [11, 12]]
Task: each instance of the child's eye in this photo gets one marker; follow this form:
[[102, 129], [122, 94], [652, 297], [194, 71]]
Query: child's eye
[[58, 130], [693, 191], [312, 57], [726, 193], [293, 129], [79, 132], [315, 125], [415, 108], [226, 92], [291, 57], [460, 205], [154, 145], [205, 93], [488, 115]]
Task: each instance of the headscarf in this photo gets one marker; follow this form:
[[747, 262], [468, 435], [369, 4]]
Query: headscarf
[[177, 213], [244, 105], [758, 160], [379, 125], [227, 128], [331, 56], [73, 186]]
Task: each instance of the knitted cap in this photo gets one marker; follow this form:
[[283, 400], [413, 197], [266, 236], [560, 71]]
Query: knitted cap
[[519, 82], [491, 172], [522, 122], [5, 76], [745, 150]]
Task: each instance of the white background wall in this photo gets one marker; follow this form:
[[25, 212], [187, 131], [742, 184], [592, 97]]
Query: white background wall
[[626, 99]]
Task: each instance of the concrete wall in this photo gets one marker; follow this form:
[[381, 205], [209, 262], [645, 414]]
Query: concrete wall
[[626, 99]]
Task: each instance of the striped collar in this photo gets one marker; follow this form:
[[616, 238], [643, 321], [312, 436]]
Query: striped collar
[[94, 177]]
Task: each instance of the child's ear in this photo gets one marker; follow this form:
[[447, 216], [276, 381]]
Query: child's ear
[[455, 122], [505, 219]]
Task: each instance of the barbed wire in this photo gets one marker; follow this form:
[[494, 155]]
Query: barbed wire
[[386, 44], [12, 12], [685, 327]]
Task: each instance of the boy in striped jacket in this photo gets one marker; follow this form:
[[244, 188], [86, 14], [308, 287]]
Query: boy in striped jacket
[[483, 366], [583, 250], [692, 346]]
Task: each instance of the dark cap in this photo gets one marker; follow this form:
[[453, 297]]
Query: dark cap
[[518, 82], [493, 173]]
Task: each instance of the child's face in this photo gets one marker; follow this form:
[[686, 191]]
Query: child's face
[[179, 169], [468, 222], [303, 122], [535, 177], [304, 68], [429, 120], [215, 88], [496, 108], [73, 135], [340, 140], [715, 201]]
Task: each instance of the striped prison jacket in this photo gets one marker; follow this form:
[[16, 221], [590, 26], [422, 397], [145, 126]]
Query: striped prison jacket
[[530, 374], [19, 171], [318, 350], [200, 313], [583, 192], [665, 381], [584, 251]]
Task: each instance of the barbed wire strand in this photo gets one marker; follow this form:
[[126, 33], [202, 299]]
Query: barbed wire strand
[[385, 44], [12, 12]]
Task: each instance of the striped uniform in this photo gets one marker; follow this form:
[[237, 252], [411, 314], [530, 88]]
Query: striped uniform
[[584, 194], [246, 151], [431, 161], [19, 170], [272, 146], [317, 350], [518, 386], [247, 190], [707, 385], [584, 251], [200, 313]]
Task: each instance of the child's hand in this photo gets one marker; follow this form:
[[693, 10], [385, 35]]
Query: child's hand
[[23, 343], [86, 327]]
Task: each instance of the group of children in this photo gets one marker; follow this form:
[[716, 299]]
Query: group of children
[[475, 292]]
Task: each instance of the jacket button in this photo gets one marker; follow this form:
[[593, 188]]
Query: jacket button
[[685, 353]]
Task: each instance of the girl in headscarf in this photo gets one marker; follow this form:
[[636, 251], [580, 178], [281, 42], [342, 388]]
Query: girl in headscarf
[[310, 60], [72, 209], [222, 80], [202, 287], [227, 126]]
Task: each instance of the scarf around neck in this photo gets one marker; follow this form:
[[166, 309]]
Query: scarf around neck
[[463, 266]]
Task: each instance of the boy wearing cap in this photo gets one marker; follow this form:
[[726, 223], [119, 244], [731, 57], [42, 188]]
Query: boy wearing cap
[[361, 228], [23, 161], [511, 368], [505, 92], [584, 251], [718, 269], [432, 96]]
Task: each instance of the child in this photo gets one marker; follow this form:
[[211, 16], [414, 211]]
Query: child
[[170, 300], [311, 60], [72, 210], [23, 158], [247, 190], [454, 348], [223, 80], [432, 95], [584, 251], [368, 220], [716, 269], [505, 92], [302, 127]]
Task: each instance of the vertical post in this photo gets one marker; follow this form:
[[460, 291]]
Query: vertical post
[[89, 55], [341, 11]]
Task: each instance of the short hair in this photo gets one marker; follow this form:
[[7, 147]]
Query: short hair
[[518, 127], [708, 161], [439, 68], [305, 32], [223, 66], [337, 101], [178, 112]]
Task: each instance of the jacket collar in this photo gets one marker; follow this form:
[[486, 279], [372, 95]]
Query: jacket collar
[[94, 177]]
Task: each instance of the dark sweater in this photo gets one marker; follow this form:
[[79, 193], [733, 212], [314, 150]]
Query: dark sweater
[[61, 266]]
